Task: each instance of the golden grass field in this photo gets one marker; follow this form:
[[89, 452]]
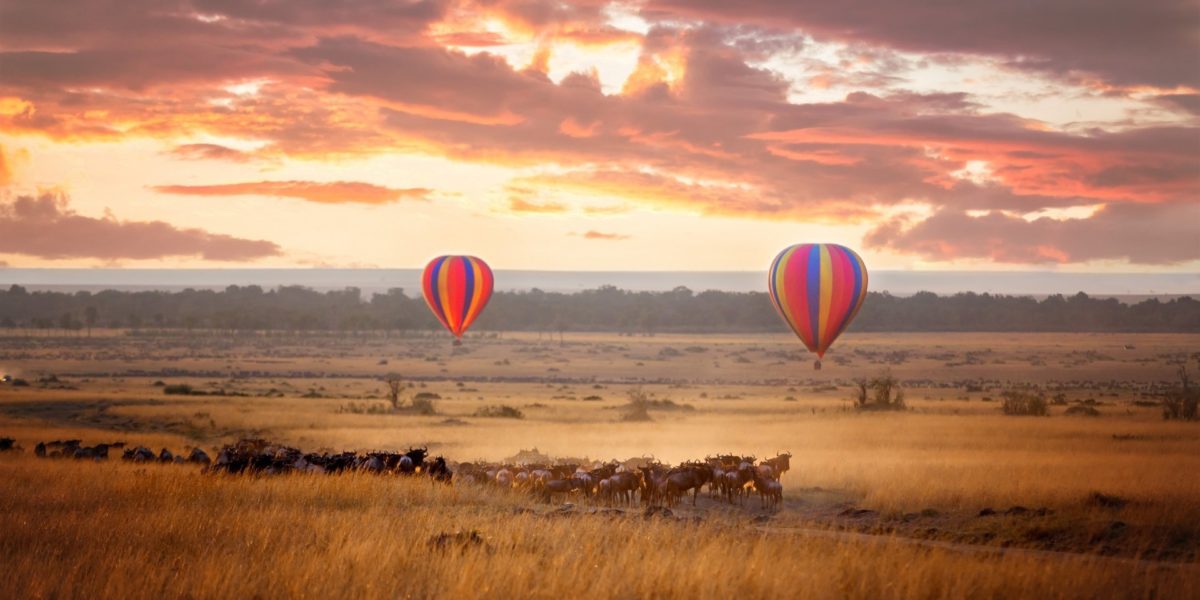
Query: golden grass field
[[876, 504]]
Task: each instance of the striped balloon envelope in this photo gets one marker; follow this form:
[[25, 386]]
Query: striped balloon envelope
[[817, 289], [456, 289]]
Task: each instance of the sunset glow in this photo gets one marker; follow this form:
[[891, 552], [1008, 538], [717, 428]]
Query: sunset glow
[[652, 134]]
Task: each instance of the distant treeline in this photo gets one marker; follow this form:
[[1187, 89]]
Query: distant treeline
[[250, 308]]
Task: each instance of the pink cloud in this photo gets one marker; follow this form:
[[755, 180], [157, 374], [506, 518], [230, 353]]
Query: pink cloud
[[1139, 233], [335, 192], [45, 227]]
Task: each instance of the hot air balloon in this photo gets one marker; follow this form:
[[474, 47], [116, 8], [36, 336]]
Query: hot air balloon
[[817, 289], [456, 289]]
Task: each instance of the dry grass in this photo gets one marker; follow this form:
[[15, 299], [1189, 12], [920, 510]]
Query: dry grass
[[72, 529], [122, 531]]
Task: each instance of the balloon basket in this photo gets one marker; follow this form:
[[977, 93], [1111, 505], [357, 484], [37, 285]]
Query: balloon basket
[[817, 365], [457, 342]]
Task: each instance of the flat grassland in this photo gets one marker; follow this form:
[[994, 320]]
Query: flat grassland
[[877, 504]]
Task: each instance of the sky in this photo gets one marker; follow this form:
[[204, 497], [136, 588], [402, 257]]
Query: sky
[[600, 135]]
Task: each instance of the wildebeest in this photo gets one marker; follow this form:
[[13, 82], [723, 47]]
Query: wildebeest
[[782, 463], [440, 471], [504, 478], [769, 490], [199, 456], [97, 452], [681, 479], [60, 448], [558, 486], [623, 485], [139, 454]]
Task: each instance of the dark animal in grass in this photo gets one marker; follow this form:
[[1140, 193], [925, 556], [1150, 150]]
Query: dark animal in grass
[[199, 457], [439, 471], [97, 452], [139, 454]]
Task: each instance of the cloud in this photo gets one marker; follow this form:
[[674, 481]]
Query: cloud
[[517, 204], [44, 226], [599, 235], [5, 170], [336, 192], [702, 126], [1128, 43], [1153, 234], [209, 152]]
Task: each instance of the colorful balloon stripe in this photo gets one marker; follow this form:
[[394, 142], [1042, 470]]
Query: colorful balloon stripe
[[817, 289], [456, 289]]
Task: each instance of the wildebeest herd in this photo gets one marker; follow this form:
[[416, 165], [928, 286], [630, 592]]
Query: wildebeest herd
[[648, 481], [76, 450], [730, 477]]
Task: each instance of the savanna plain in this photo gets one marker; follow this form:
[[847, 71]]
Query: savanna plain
[[944, 497]]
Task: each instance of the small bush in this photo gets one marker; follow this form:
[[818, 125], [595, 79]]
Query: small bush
[[880, 393], [179, 389], [1181, 403], [1083, 411], [423, 406], [638, 408], [1020, 402], [365, 408], [500, 411]]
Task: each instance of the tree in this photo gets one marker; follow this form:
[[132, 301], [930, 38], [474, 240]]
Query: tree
[[882, 392], [90, 315], [395, 387]]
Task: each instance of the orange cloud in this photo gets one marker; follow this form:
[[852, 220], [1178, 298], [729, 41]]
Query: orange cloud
[[336, 192], [45, 227], [517, 204], [5, 169], [599, 235], [570, 127], [714, 198], [209, 152]]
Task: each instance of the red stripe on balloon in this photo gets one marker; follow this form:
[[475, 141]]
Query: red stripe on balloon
[[843, 282], [455, 287], [796, 282]]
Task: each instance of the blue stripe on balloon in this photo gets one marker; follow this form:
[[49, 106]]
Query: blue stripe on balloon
[[469, 272], [814, 292], [771, 275], [858, 281], [436, 300]]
